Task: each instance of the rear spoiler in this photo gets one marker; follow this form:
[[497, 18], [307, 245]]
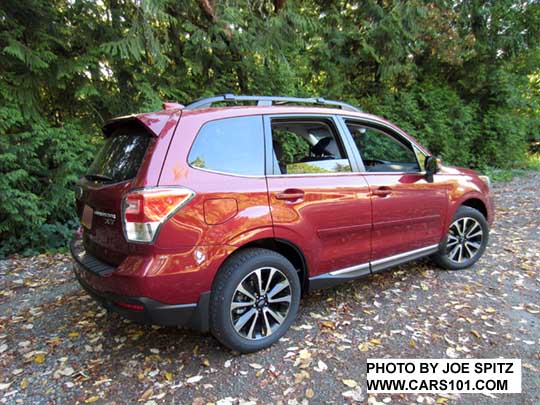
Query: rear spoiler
[[111, 125], [154, 122]]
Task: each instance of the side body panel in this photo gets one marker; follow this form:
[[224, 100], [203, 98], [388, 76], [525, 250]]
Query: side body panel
[[410, 217], [331, 223]]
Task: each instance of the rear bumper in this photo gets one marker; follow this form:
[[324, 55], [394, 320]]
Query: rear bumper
[[139, 309]]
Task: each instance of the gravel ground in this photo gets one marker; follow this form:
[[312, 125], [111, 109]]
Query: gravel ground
[[58, 346]]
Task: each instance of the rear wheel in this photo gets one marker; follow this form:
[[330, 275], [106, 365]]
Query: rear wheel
[[465, 241], [255, 298]]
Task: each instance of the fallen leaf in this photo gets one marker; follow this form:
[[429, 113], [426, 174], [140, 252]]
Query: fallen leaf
[[146, 394], [354, 395], [476, 334], [66, 371], [91, 399], [329, 324], [321, 366], [310, 393], [304, 354], [194, 379], [298, 378], [350, 383], [363, 347], [451, 353]]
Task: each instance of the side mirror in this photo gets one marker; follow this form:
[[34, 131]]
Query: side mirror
[[432, 165]]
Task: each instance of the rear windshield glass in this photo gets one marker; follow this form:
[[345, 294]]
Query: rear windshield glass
[[121, 156]]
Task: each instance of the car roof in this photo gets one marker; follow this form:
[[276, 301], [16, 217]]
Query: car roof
[[158, 120]]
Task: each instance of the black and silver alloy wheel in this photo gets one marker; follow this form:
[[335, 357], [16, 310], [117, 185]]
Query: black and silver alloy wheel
[[254, 300], [260, 303], [464, 239]]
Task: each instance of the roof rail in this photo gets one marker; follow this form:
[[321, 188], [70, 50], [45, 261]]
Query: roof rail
[[267, 101]]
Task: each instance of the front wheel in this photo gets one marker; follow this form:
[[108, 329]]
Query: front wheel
[[465, 241], [255, 298]]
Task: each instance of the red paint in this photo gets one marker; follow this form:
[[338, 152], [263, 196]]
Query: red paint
[[336, 221]]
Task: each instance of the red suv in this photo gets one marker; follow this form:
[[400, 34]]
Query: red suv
[[220, 217]]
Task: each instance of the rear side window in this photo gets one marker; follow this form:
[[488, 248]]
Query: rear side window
[[121, 156], [231, 145]]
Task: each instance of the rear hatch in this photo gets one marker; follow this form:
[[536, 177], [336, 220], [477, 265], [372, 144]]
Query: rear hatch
[[110, 176]]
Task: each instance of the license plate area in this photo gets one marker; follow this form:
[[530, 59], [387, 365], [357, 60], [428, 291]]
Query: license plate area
[[87, 217]]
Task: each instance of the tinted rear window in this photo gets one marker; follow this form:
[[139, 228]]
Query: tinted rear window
[[231, 145], [122, 154]]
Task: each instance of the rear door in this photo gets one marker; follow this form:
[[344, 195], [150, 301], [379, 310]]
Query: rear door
[[109, 177], [408, 210], [317, 200]]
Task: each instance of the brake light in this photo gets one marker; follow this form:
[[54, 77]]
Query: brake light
[[145, 210], [134, 307]]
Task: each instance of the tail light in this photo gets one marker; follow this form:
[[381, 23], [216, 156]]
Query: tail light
[[145, 210]]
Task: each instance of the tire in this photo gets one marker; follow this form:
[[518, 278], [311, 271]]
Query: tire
[[264, 310], [465, 241]]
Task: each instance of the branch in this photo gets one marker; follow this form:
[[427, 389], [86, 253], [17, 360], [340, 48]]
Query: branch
[[208, 10], [278, 5]]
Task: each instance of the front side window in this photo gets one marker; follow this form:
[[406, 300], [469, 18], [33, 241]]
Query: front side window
[[381, 151], [231, 145], [307, 146]]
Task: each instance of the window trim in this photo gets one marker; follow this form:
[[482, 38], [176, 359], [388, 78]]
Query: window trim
[[253, 176], [383, 127], [345, 142]]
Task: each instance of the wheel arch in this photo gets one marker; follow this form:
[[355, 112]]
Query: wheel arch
[[289, 250], [477, 204]]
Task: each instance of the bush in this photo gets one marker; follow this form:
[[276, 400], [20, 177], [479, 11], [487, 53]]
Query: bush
[[38, 166]]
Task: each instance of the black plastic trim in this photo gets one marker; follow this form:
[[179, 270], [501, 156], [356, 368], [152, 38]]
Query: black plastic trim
[[194, 316], [87, 261]]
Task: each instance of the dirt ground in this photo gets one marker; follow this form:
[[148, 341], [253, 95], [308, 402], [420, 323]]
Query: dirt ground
[[58, 346]]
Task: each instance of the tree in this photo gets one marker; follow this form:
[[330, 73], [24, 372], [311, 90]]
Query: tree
[[459, 76]]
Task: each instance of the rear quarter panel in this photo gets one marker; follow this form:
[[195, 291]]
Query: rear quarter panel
[[238, 204]]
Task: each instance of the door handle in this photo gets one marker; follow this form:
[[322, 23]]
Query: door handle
[[382, 191], [290, 194]]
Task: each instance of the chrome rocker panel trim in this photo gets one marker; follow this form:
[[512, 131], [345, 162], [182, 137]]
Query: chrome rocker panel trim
[[351, 273]]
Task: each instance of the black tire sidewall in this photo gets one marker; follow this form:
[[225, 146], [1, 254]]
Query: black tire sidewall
[[229, 276], [441, 257]]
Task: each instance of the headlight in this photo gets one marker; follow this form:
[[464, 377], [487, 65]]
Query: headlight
[[486, 180]]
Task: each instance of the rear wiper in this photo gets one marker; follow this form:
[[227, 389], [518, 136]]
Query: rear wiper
[[97, 177]]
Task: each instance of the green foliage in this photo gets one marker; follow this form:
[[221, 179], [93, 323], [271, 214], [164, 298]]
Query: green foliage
[[461, 77]]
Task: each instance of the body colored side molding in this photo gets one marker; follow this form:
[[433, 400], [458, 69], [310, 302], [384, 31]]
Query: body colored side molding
[[351, 273]]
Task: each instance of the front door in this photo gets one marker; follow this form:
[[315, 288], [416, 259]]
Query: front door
[[316, 200], [408, 210]]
